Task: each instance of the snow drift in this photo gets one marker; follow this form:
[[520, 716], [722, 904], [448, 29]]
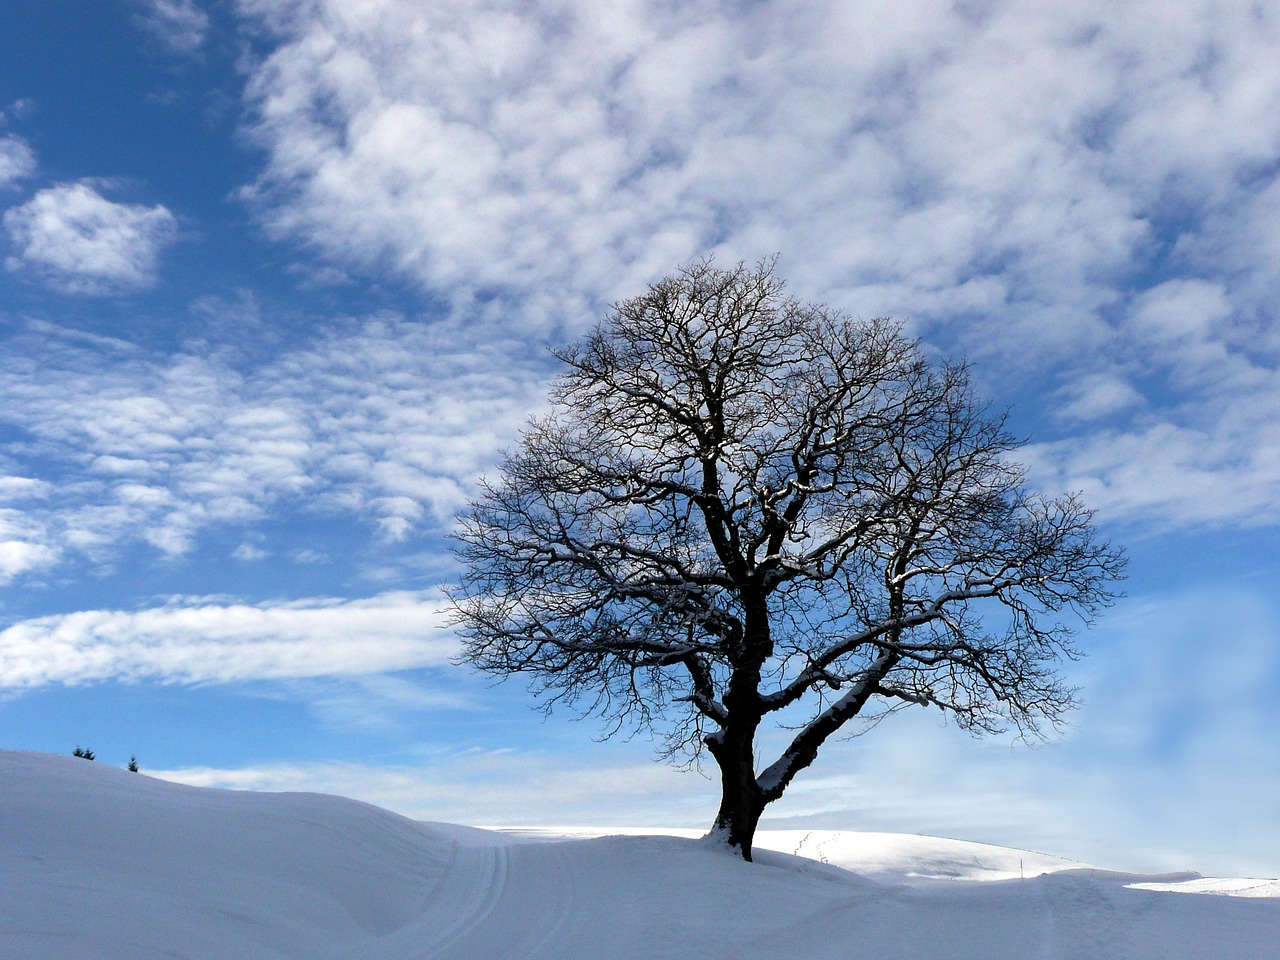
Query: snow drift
[[98, 863]]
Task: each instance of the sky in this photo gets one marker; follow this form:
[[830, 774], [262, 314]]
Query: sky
[[279, 282]]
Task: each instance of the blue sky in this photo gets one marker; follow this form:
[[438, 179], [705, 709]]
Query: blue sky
[[278, 283]]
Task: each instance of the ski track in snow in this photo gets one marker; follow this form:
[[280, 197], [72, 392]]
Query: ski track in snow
[[99, 864], [498, 901], [467, 896]]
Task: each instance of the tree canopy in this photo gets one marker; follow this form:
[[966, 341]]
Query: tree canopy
[[744, 508]]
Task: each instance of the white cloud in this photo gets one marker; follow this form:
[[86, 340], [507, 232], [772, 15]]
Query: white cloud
[[179, 24], [16, 160], [248, 553], [1222, 473], [1005, 174], [194, 641], [907, 157], [22, 488], [492, 786], [1097, 396], [77, 241], [1002, 176], [386, 420], [1210, 455], [24, 544]]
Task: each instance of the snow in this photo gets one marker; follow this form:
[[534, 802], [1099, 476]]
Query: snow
[[889, 856], [98, 863], [1224, 886]]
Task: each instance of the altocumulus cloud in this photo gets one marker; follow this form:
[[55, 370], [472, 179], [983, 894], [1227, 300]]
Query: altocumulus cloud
[[913, 152], [16, 160], [1010, 175], [180, 25], [23, 545], [384, 419], [194, 641], [77, 241]]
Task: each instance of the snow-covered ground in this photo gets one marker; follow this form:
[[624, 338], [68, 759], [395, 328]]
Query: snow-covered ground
[[96, 862]]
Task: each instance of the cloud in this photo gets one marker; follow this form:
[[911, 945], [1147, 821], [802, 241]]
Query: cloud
[[196, 641], [75, 240], [178, 24], [527, 165], [1198, 442], [1221, 471], [1085, 194], [385, 420], [16, 160], [248, 553], [22, 488], [24, 545], [1013, 163], [491, 786], [382, 704], [1097, 396]]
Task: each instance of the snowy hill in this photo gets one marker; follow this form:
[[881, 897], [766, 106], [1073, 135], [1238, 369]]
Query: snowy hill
[[889, 856], [99, 863]]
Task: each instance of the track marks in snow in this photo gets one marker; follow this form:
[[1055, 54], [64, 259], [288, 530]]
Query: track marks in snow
[[562, 882], [537, 897], [516, 901], [465, 899], [1084, 917]]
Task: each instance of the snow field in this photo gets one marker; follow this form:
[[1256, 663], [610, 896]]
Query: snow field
[[98, 863]]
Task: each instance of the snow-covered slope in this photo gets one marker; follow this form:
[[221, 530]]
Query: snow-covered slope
[[100, 863], [889, 856]]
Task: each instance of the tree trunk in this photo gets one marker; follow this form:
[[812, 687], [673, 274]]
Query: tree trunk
[[741, 802], [741, 799]]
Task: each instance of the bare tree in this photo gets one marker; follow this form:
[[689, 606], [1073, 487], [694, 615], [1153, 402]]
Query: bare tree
[[743, 507]]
